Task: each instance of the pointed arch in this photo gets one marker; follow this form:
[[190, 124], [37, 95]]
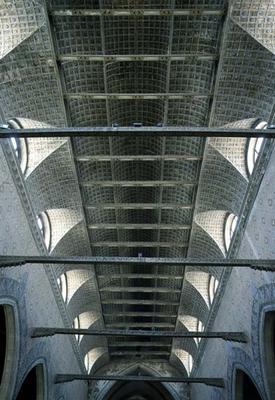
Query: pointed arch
[[62, 221], [9, 347], [38, 148], [95, 359], [212, 222], [245, 387], [34, 385], [75, 279], [200, 281]]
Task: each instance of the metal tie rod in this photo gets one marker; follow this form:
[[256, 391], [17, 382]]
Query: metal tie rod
[[6, 132], [61, 378], [229, 336], [11, 261]]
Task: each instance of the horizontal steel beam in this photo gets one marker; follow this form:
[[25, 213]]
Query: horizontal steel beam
[[265, 264], [62, 378], [140, 157], [148, 183], [229, 336], [135, 96], [148, 131], [189, 57], [138, 244], [140, 289], [138, 206], [174, 227], [136, 12]]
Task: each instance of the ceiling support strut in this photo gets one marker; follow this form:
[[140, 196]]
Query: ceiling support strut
[[262, 265], [148, 131], [61, 378], [229, 336]]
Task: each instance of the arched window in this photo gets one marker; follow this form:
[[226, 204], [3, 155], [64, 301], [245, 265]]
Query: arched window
[[33, 385], [87, 362], [269, 351], [76, 325], [212, 287], [189, 363], [254, 148], [44, 225], [200, 328], [19, 146], [62, 282], [8, 351], [229, 229], [16, 146], [245, 389]]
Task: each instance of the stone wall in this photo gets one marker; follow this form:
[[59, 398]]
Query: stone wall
[[248, 294], [29, 290]]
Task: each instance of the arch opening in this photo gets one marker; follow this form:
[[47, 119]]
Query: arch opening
[[33, 385], [19, 146], [229, 229], [3, 341], [269, 351], [44, 225], [8, 350], [62, 282], [212, 287], [138, 391], [254, 148], [245, 389]]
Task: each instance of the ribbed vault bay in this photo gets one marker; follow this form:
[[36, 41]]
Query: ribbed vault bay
[[146, 68], [153, 171]]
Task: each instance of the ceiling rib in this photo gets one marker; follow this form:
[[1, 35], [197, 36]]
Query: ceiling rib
[[138, 244], [140, 276], [130, 226], [62, 87], [189, 57], [136, 96], [141, 314], [140, 289], [140, 302], [145, 157], [146, 183], [225, 25], [142, 344], [128, 325], [163, 146], [140, 353], [140, 206], [136, 12], [213, 90], [108, 115]]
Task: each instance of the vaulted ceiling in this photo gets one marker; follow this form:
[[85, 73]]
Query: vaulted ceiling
[[124, 63]]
